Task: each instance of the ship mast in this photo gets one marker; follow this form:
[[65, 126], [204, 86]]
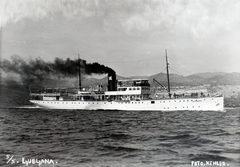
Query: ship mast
[[169, 93], [79, 72]]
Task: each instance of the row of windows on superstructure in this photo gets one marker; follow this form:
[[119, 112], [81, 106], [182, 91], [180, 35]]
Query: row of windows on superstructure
[[143, 88], [137, 88], [134, 88]]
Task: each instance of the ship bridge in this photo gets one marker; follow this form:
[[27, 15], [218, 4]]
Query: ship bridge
[[133, 82], [131, 89]]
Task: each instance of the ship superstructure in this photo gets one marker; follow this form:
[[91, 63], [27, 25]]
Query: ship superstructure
[[129, 94]]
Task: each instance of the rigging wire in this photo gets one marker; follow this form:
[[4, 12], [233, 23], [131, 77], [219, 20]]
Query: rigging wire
[[154, 79], [136, 67], [187, 77], [184, 70], [131, 60], [174, 62], [160, 73]]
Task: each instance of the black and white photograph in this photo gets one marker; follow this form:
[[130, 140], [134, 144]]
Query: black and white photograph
[[119, 83]]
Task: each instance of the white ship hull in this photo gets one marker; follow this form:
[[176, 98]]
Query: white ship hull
[[192, 104]]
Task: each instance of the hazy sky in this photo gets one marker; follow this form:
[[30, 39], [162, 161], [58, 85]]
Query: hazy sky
[[129, 36]]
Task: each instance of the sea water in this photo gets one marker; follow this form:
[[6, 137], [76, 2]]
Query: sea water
[[71, 138]]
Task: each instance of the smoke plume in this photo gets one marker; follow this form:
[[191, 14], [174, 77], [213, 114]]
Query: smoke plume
[[37, 70]]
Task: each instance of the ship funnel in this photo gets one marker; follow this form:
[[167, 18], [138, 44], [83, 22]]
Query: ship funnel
[[112, 82]]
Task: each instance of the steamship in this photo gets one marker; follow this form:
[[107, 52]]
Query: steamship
[[131, 94]]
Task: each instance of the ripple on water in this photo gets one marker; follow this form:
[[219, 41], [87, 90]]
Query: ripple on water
[[114, 138]]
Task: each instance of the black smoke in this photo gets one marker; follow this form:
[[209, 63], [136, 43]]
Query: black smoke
[[37, 70]]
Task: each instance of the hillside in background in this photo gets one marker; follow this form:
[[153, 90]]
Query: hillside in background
[[175, 79], [207, 75], [226, 79], [204, 78], [14, 94]]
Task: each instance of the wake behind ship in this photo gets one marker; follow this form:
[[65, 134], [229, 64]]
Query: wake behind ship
[[131, 94]]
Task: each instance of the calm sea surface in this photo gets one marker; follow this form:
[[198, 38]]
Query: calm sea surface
[[119, 138]]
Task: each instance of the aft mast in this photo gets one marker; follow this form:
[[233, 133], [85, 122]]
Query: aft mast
[[168, 80], [79, 73]]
